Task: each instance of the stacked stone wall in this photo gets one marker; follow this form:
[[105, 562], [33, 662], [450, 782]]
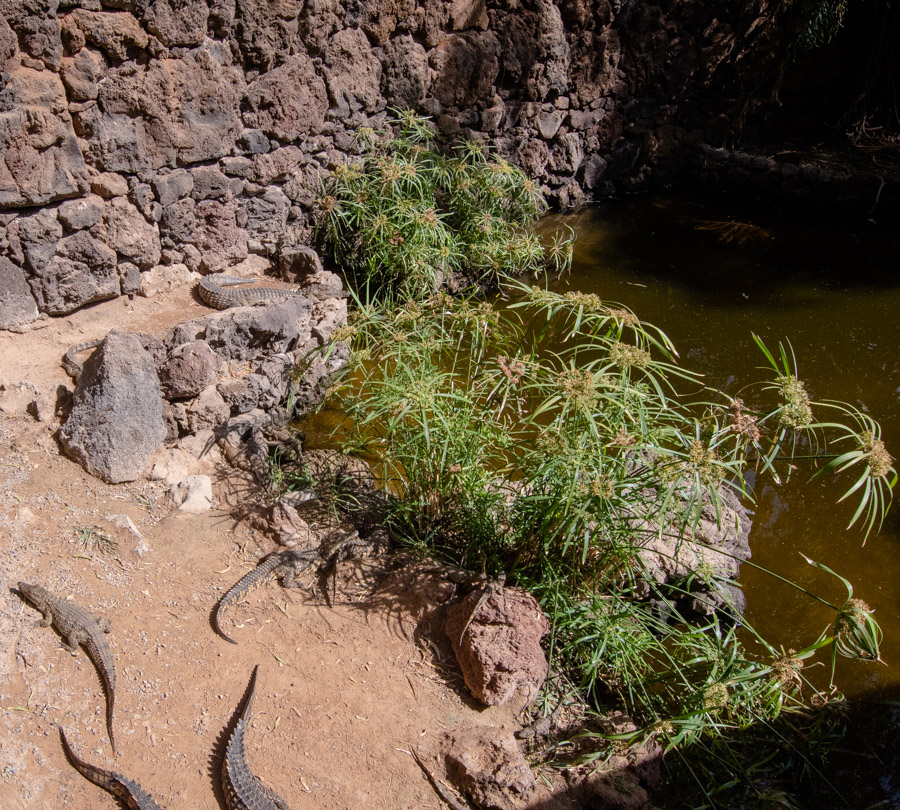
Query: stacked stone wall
[[140, 135]]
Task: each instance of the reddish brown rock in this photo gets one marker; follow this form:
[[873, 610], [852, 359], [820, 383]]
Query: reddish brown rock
[[465, 14], [80, 74], [381, 18], [109, 184], [82, 271], [466, 66], [208, 183], [487, 765], [353, 73], [500, 651], [114, 31], [176, 22], [289, 101], [533, 156], [125, 229], [221, 241], [266, 30], [9, 44], [171, 111], [189, 369], [37, 27], [550, 71], [277, 165], [405, 76], [41, 159]]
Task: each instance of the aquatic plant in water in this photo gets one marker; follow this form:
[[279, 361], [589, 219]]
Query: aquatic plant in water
[[547, 437]]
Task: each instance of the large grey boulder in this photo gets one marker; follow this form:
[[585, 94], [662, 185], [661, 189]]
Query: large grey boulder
[[116, 423], [17, 306]]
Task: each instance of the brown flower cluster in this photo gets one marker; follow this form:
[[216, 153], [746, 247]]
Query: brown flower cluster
[[626, 356], [744, 423], [796, 411], [327, 203], [626, 317], [578, 385], [512, 369], [880, 460]]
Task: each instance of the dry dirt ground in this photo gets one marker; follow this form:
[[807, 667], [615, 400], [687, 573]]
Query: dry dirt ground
[[342, 692]]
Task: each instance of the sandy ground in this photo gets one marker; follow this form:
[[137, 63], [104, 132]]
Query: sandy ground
[[342, 693]]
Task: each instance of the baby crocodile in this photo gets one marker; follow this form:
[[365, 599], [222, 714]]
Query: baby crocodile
[[211, 292], [77, 626], [131, 793], [283, 565], [243, 791]]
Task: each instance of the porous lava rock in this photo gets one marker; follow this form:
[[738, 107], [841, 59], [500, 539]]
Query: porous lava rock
[[242, 333], [17, 305], [116, 422], [82, 271], [208, 126], [189, 369], [488, 766], [500, 651]]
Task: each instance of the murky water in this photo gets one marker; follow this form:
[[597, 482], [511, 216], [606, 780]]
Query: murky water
[[834, 293]]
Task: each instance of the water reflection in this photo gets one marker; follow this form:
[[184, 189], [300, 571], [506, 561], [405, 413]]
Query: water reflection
[[835, 294]]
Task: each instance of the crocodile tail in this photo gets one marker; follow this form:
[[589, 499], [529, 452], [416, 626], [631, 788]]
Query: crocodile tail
[[99, 776], [220, 611], [104, 663], [109, 719], [249, 582]]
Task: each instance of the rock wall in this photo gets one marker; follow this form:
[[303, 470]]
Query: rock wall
[[140, 134]]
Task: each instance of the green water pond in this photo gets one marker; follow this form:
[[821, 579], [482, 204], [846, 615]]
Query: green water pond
[[710, 275]]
